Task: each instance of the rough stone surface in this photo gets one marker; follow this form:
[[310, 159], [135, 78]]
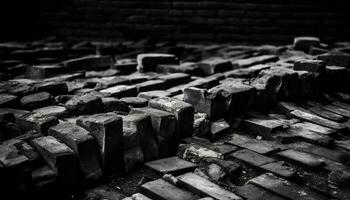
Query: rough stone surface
[[107, 130], [83, 144]]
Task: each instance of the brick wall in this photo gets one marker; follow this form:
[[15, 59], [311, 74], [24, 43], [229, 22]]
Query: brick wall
[[219, 20]]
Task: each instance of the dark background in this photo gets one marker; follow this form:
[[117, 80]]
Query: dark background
[[276, 21]]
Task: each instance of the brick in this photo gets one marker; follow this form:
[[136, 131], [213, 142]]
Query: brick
[[8, 101], [135, 102], [277, 83], [107, 82], [84, 104], [285, 188], [252, 192], [214, 65], [56, 111], [172, 165], [171, 80], [161, 190], [107, 129], [242, 63], [341, 105], [304, 43], [239, 97], [88, 62], [251, 157], [111, 104], [37, 100], [317, 120], [195, 153], [10, 156], [302, 158], [310, 66], [326, 114], [126, 66], [306, 135], [143, 124], [335, 59], [317, 150], [121, 91], [84, 146], [248, 72], [136, 77], [338, 110], [43, 71], [261, 127], [104, 73], [164, 126], [60, 158], [202, 186], [149, 62], [154, 94], [37, 122], [279, 168], [251, 144], [221, 148], [150, 85], [183, 112], [54, 88], [204, 83], [22, 90], [188, 68], [205, 102]]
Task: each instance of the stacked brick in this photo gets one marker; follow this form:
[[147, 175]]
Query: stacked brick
[[73, 116], [250, 21]]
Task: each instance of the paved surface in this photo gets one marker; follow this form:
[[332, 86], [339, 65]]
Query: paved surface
[[118, 121]]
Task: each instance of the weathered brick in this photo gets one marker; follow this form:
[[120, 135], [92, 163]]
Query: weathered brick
[[107, 130], [149, 62], [84, 146], [143, 124], [60, 158], [183, 112]]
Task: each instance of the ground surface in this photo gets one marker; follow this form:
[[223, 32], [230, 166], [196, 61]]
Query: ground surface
[[111, 121]]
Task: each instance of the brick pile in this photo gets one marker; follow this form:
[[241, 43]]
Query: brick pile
[[165, 121]]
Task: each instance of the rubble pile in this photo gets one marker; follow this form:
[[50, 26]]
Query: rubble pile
[[165, 121]]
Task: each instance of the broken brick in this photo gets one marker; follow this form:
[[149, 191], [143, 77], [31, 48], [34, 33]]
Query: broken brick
[[107, 130], [83, 144]]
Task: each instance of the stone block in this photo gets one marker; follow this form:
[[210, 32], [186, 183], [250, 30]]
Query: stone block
[[8, 101], [108, 132], [149, 62], [84, 105], [206, 102], [164, 126], [60, 158], [34, 121], [143, 124], [214, 65], [183, 112], [121, 91], [84, 146], [305, 43]]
